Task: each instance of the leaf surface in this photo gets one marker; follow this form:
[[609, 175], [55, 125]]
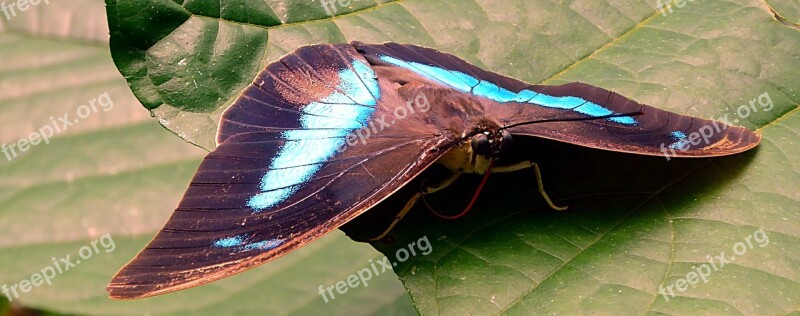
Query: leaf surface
[[635, 224]]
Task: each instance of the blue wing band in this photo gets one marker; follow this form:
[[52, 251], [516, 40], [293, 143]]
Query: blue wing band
[[469, 84], [298, 160]]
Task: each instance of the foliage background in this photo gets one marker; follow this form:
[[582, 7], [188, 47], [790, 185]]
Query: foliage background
[[635, 223]]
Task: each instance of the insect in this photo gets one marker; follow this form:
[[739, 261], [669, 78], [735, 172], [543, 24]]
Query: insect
[[328, 131]]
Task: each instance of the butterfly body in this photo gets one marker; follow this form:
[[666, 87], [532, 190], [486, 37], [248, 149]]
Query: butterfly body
[[327, 132], [463, 159], [456, 116]]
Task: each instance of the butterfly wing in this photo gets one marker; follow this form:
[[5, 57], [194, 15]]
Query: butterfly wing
[[654, 132], [288, 169]]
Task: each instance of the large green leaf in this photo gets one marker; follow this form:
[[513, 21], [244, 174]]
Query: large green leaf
[[634, 225], [119, 172], [786, 11]]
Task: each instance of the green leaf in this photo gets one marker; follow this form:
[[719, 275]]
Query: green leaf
[[786, 11], [635, 224], [117, 171]]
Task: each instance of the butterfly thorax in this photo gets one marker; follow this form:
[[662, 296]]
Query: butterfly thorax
[[463, 159], [479, 137]]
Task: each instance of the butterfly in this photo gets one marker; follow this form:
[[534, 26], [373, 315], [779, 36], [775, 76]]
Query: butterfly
[[327, 132]]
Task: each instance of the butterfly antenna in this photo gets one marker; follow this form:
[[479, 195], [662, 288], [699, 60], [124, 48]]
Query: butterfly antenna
[[637, 113]]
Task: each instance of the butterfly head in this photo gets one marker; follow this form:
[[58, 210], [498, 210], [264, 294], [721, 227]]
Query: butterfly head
[[491, 144]]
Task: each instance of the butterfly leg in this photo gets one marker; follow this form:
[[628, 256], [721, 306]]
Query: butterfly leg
[[542, 192], [525, 165], [428, 189], [425, 190], [522, 165]]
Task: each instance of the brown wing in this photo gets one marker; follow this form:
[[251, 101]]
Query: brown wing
[[300, 154], [654, 132]]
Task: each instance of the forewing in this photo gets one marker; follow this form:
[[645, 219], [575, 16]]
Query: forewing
[[654, 132], [283, 173]]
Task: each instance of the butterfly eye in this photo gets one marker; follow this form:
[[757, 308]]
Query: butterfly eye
[[481, 145], [505, 144]]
